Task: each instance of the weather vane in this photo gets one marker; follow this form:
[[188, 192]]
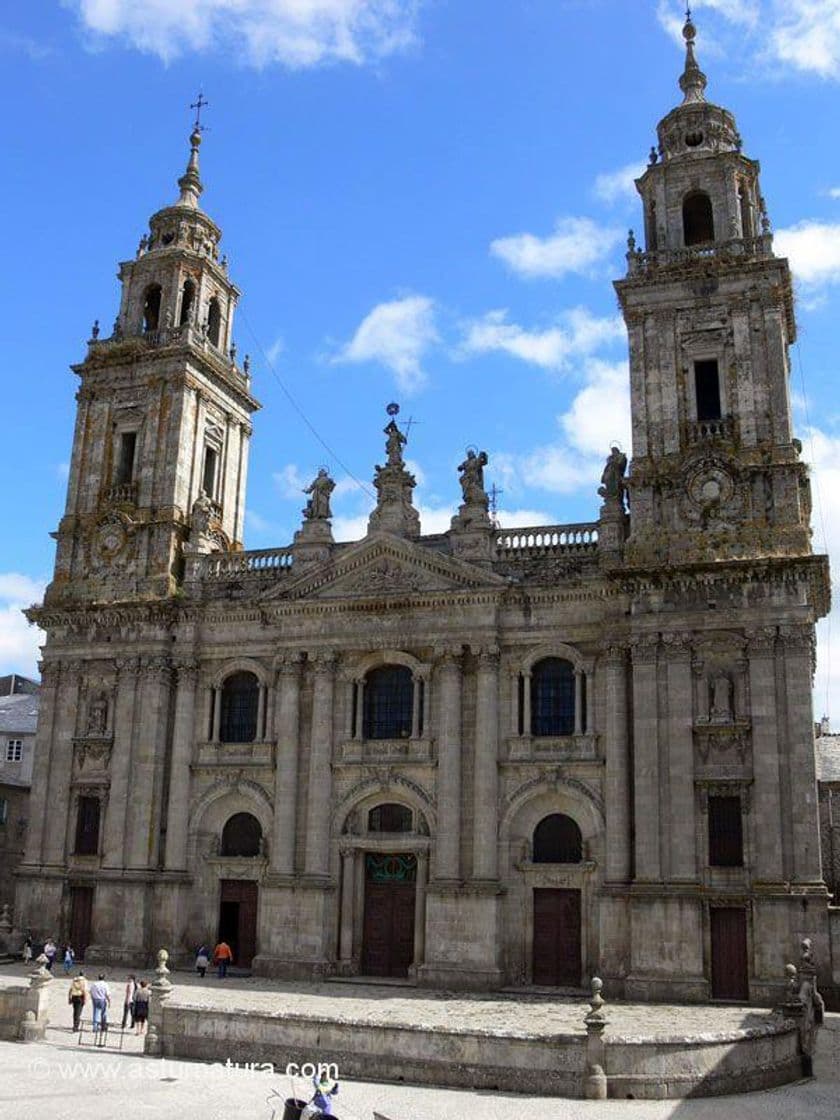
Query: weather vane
[[198, 106]]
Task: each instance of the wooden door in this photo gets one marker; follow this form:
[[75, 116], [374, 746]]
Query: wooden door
[[81, 919], [238, 919], [557, 940], [388, 928], [730, 979]]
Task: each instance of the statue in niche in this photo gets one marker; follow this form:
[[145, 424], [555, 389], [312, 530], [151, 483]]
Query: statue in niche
[[472, 478], [721, 696], [318, 506], [97, 720], [202, 513], [613, 485], [394, 444]]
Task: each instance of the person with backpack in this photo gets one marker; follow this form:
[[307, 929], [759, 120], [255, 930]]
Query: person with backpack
[[222, 957], [202, 961], [77, 997], [141, 1007]]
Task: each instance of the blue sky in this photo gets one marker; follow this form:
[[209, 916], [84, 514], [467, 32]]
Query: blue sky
[[422, 200]]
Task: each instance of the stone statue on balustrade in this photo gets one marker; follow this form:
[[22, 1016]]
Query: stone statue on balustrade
[[472, 479], [613, 486], [205, 531], [720, 688], [394, 444], [320, 489], [202, 514], [97, 720], [394, 484]]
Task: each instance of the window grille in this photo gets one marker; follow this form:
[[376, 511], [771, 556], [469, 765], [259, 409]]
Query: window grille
[[552, 697], [388, 703], [726, 835], [240, 703], [87, 826], [242, 836], [14, 750], [557, 839], [390, 817]]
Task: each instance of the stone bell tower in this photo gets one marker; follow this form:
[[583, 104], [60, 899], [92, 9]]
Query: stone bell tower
[[723, 587], [709, 311], [160, 448]]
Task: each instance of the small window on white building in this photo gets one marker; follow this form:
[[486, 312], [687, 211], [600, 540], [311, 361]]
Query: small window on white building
[[14, 750]]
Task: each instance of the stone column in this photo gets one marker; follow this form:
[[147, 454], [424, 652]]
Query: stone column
[[415, 706], [286, 764], [420, 910], [61, 764], [183, 737], [486, 772], [47, 713], [619, 855], [526, 703], [143, 808], [767, 812], [646, 758], [798, 645], [216, 702], [320, 771], [448, 856], [261, 698], [682, 862], [127, 680], [589, 701], [578, 702], [348, 891], [359, 722]]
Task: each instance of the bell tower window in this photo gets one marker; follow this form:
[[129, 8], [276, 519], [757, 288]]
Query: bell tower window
[[214, 321], [151, 308], [125, 460], [698, 219], [187, 300], [707, 389], [746, 211], [211, 466]]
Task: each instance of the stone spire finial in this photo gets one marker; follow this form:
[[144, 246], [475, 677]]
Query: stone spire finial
[[692, 79], [190, 181]]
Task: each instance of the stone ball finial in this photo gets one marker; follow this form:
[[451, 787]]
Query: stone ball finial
[[195, 138], [689, 30]]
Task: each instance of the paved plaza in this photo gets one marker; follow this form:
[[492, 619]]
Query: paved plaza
[[60, 1079]]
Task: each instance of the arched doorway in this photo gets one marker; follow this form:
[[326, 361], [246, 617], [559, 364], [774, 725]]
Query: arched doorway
[[388, 927], [238, 898], [557, 910]]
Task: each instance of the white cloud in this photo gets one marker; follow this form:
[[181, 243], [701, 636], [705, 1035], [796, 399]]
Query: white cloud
[[813, 249], [577, 334], [275, 350], [297, 33], [834, 192], [806, 34], [19, 641], [397, 334], [290, 481], [576, 246], [620, 185]]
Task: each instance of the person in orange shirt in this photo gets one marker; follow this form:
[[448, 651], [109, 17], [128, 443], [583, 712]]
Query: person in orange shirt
[[222, 957]]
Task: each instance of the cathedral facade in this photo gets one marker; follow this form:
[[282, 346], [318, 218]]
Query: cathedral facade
[[480, 758]]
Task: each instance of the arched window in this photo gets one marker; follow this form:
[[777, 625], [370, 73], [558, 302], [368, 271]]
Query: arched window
[[557, 839], [746, 211], [552, 697], [187, 300], [390, 817], [698, 219], [214, 321], [242, 836], [151, 308], [388, 703], [240, 702]]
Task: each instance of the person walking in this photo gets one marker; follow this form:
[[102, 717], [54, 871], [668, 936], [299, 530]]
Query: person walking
[[202, 960], [222, 957], [50, 950], [100, 997], [128, 1001], [69, 959], [141, 1007], [321, 1103], [26, 954], [77, 997]]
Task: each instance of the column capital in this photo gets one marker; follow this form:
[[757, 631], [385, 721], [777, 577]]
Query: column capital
[[288, 664], [762, 640], [127, 666], [615, 655], [323, 662], [645, 649], [449, 657], [49, 671], [155, 664], [676, 646], [797, 638], [187, 670], [487, 658]]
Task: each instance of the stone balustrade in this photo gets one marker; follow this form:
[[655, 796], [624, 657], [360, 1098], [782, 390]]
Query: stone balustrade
[[736, 248], [186, 334], [256, 563], [711, 431], [547, 540]]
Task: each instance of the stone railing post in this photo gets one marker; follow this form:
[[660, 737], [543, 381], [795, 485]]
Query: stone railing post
[[595, 1079], [161, 991], [33, 1026]]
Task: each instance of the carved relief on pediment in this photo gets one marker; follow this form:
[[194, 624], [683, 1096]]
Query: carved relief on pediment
[[91, 754]]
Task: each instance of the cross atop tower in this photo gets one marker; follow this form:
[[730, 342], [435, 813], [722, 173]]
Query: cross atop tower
[[198, 105]]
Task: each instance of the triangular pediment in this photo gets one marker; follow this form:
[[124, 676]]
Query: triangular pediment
[[385, 565]]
